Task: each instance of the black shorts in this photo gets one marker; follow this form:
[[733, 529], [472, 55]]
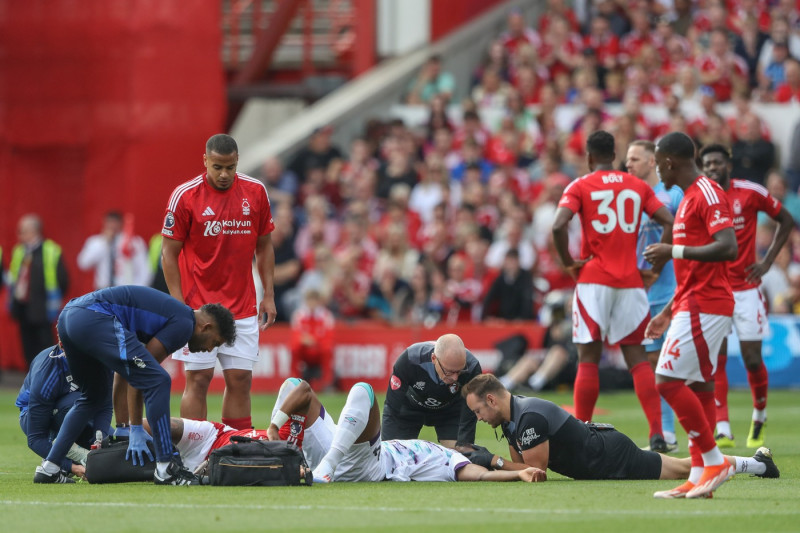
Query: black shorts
[[407, 423], [602, 454], [624, 460]]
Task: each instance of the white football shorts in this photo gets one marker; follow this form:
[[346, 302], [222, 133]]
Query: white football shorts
[[750, 315], [691, 346], [241, 356], [603, 313]]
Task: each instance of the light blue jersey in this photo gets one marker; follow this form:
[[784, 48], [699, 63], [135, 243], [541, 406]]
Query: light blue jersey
[[650, 233]]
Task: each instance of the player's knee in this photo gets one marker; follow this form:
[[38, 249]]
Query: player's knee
[[198, 379], [368, 388]]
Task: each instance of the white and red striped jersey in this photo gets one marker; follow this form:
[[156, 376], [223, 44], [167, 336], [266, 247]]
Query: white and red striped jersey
[[703, 287], [219, 231]]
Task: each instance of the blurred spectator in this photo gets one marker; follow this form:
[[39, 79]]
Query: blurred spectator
[[436, 247], [640, 88], [429, 192], [312, 341], [511, 239], [37, 282], [789, 90], [319, 229], [510, 297], [641, 34], [471, 159], [117, 256], [793, 165], [396, 171], [716, 131], [492, 91], [360, 163], [321, 277], [789, 301], [780, 32], [355, 242], [778, 188], [682, 17], [687, 87], [462, 294], [497, 59], [441, 148], [426, 307], [351, 287], [721, 69], [528, 86], [437, 118], [603, 42], [390, 297], [610, 10], [518, 33], [748, 46], [282, 185], [317, 155], [287, 264], [471, 128], [775, 282], [774, 73], [430, 82], [396, 253], [558, 9], [752, 155], [561, 48]]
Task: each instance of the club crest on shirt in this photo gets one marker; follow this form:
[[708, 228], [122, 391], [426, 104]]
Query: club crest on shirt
[[737, 207], [394, 382], [453, 388], [245, 207]]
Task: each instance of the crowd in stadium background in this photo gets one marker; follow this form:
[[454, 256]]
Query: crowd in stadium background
[[410, 225]]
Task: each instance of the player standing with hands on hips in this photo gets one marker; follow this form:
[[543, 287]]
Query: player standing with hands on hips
[[700, 311], [213, 225]]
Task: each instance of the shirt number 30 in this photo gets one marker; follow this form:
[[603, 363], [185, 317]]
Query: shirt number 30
[[616, 215]]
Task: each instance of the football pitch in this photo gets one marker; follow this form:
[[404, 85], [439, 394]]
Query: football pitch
[[747, 504]]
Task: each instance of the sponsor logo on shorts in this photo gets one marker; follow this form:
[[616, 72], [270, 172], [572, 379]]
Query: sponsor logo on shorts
[[394, 382], [193, 435], [528, 437]]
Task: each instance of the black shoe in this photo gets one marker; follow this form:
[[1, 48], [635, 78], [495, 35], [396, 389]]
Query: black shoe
[[764, 455], [176, 475], [658, 444], [43, 477]]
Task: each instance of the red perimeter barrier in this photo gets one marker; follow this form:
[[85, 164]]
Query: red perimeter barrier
[[366, 352]]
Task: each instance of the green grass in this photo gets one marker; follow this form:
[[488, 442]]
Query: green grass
[[743, 504]]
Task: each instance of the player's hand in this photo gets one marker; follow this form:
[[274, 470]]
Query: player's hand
[[648, 277], [657, 326], [533, 475], [137, 446], [755, 271], [78, 471], [657, 254], [576, 267], [267, 312], [272, 433]]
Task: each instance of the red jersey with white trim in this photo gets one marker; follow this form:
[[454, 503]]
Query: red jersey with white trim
[[219, 231], [746, 200], [224, 434], [610, 205], [702, 287]]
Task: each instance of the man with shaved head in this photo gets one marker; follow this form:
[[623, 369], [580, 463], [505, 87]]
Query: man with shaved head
[[425, 390]]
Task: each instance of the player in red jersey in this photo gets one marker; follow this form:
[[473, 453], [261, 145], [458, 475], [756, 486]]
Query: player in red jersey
[[749, 313], [701, 309], [213, 226], [610, 302]]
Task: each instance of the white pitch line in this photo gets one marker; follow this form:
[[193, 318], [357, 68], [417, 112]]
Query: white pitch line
[[480, 510]]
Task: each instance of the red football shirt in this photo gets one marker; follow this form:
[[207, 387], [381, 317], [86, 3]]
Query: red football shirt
[[219, 230], [610, 205], [224, 434], [746, 200], [702, 287]]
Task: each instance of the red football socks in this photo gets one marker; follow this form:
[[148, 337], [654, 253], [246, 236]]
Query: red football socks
[[587, 389], [644, 383]]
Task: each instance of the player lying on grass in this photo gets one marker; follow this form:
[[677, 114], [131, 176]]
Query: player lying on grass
[[542, 435], [352, 449], [363, 456]]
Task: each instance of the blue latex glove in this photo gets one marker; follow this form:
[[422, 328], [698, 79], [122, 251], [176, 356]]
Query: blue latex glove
[[137, 446]]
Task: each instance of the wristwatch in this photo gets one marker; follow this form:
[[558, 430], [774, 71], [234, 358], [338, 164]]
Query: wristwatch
[[499, 463]]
